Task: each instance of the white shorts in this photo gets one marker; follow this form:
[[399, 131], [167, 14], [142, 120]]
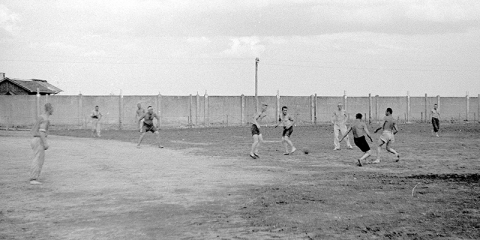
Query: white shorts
[[387, 136]]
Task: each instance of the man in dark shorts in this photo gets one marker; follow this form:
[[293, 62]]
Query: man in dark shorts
[[359, 130], [257, 136], [287, 121], [148, 125]]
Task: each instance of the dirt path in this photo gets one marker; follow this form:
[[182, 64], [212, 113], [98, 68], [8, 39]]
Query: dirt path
[[99, 189]]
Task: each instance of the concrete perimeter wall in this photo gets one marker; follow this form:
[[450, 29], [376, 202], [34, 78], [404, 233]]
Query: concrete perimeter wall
[[207, 111]]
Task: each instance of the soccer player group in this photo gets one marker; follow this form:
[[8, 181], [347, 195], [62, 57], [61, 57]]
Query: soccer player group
[[339, 119], [145, 119]]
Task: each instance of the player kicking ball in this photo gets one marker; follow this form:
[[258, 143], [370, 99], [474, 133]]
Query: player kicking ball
[[148, 125], [257, 136], [287, 121], [359, 130], [389, 130]]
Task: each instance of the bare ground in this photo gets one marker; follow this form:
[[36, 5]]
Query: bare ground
[[203, 185]]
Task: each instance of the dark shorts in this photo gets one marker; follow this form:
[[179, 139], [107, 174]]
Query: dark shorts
[[436, 124], [255, 130], [149, 128], [361, 143], [287, 131]]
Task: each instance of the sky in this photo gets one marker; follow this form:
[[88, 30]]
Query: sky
[[305, 47]]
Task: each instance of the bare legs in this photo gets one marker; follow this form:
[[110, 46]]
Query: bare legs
[[256, 143], [389, 149], [286, 142]]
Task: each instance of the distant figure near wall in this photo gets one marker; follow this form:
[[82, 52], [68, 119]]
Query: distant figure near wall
[[96, 117]]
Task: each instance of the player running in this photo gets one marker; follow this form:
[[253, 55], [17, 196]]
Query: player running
[[257, 136], [148, 125], [287, 121], [39, 143], [389, 130], [359, 130], [339, 120]]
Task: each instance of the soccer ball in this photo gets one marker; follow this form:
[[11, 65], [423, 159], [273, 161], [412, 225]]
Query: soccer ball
[[305, 150]]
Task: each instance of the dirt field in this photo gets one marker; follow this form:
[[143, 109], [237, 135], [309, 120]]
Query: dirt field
[[203, 185]]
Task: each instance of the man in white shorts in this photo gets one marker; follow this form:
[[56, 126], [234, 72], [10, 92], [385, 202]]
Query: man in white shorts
[[389, 130], [339, 120], [96, 116]]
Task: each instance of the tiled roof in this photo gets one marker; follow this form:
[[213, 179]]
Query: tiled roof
[[31, 85]]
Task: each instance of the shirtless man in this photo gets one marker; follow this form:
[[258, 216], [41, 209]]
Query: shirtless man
[[96, 116], [148, 125], [140, 112], [389, 130], [359, 130], [287, 121], [257, 136], [435, 119], [39, 143], [339, 120]]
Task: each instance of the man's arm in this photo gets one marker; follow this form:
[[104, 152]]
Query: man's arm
[[349, 129], [367, 132], [140, 118], [99, 116], [395, 129]]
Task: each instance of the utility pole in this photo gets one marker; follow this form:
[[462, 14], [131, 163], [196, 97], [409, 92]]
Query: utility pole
[[256, 84]]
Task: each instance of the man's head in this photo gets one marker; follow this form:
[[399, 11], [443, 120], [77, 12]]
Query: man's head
[[150, 109], [48, 108], [435, 106], [139, 105], [388, 112], [340, 106], [359, 116], [284, 110], [96, 108], [264, 107]]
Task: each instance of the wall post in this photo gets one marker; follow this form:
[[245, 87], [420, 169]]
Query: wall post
[[377, 98], [426, 107], [197, 108], [205, 110], [312, 109], [467, 107], [190, 120], [315, 109], [277, 107], [369, 108]]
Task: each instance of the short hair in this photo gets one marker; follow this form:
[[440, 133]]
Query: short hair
[[48, 106], [149, 107], [96, 106], [359, 116], [284, 107], [264, 104], [389, 110], [435, 104]]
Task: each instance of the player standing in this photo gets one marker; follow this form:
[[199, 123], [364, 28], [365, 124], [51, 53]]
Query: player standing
[[39, 143], [140, 112], [287, 121], [257, 136], [339, 120], [96, 116], [148, 125], [359, 130], [435, 119], [389, 130]]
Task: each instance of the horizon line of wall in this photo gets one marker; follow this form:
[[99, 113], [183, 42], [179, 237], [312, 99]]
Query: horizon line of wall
[[195, 110]]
